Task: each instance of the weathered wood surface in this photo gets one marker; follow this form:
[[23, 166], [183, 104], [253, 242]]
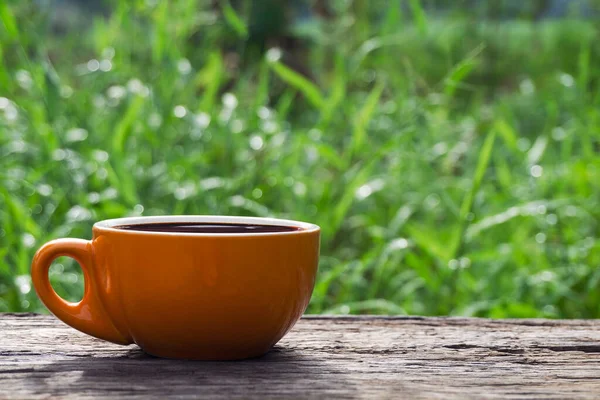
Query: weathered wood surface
[[323, 357]]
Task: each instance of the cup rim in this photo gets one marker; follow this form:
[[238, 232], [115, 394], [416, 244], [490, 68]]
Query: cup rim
[[111, 225]]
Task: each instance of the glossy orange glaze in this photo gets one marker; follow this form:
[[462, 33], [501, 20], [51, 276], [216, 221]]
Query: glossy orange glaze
[[195, 296]]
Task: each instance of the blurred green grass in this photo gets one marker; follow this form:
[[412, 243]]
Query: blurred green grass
[[452, 163]]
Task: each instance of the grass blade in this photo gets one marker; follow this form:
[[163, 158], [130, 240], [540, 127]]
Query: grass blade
[[362, 120], [124, 126], [262, 87], [536, 152], [522, 210], [461, 71], [210, 77], [161, 35], [508, 134], [426, 240], [583, 78], [338, 91], [285, 103], [393, 19], [8, 21], [122, 179], [310, 91], [347, 199], [419, 16], [234, 20], [485, 156]]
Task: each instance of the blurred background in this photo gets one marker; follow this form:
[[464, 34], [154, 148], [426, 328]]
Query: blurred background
[[450, 150]]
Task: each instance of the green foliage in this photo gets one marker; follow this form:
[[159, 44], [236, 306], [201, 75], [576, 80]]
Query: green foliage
[[452, 163]]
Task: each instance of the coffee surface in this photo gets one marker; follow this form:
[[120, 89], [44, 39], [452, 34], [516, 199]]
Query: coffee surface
[[206, 227]]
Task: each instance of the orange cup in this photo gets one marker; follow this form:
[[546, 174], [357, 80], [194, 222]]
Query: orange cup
[[208, 296]]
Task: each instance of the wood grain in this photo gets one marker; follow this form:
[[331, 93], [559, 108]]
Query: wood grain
[[323, 357]]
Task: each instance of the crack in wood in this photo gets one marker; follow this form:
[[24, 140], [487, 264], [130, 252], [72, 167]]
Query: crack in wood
[[582, 348], [464, 346]]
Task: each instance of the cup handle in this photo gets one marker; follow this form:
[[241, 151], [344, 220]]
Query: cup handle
[[87, 315]]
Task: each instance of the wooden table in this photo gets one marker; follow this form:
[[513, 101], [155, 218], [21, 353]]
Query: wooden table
[[323, 357]]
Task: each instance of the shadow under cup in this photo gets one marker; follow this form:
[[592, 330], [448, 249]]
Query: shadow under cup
[[201, 294]]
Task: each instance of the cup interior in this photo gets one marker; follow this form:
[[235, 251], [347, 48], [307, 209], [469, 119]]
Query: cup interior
[[115, 224]]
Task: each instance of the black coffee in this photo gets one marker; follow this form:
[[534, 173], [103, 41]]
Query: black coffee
[[207, 227]]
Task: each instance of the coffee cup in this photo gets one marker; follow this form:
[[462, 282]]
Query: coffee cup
[[191, 287]]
